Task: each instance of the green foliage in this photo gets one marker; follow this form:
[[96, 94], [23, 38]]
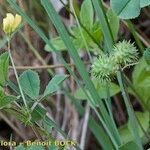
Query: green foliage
[[129, 146], [147, 56], [90, 29], [144, 3], [101, 89], [57, 43], [87, 14], [94, 90], [95, 32], [30, 83], [113, 22], [141, 81], [6, 100], [105, 26], [80, 67], [60, 46], [128, 9], [38, 113], [4, 64], [53, 85], [126, 131]]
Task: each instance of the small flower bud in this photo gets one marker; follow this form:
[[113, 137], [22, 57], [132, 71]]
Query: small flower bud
[[11, 22]]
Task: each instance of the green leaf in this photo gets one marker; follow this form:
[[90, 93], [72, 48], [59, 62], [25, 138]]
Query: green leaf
[[144, 3], [143, 118], [147, 55], [53, 85], [30, 83], [101, 89], [57, 43], [114, 23], [38, 113], [126, 9], [47, 126], [141, 82], [4, 64], [87, 14], [129, 146], [1, 89], [125, 130], [79, 94], [60, 46], [5, 100], [125, 134], [97, 32]]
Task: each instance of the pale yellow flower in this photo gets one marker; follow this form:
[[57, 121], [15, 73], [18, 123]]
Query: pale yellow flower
[[11, 22]]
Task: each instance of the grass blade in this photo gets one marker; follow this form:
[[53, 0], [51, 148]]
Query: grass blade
[[108, 37]]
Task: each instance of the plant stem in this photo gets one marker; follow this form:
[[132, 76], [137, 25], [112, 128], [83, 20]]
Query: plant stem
[[16, 75]]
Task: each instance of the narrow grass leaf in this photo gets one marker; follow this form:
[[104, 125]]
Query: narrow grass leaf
[[108, 36]]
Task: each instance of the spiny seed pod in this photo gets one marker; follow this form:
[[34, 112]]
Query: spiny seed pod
[[104, 68], [125, 53]]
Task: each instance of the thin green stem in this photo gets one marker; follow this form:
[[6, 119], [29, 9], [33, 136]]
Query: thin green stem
[[16, 75]]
